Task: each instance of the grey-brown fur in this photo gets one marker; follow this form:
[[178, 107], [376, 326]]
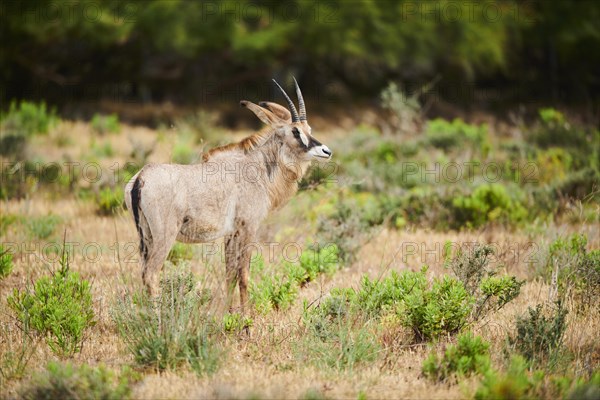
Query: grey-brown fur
[[228, 195]]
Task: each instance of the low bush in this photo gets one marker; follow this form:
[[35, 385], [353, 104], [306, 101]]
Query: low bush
[[573, 270], [57, 307], [555, 130], [313, 262], [405, 109], [342, 345], [491, 292], [487, 203], [586, 389], [68, 381], [521, 381], [102, 124], [579, 185], [375, 298], [102, 150], [6, 262], [470, 355], [539, 335], [276, 290], [109, 200], [27, 119], [183, 150], [273, 293], [516, 383], [170, 331], [236, 323], [430, 309], [444, 308], [19, 345], [42, 227], [447, 135], [349, 227], [180, 252], [6, 220]]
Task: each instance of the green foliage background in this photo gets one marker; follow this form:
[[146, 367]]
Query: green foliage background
[[188, 50]]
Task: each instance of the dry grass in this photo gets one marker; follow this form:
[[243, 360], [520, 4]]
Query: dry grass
[[263, 364]]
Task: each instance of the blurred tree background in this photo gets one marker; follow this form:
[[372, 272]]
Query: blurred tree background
[[192, 52]]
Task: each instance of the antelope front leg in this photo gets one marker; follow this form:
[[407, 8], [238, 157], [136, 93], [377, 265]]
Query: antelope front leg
[[231, 269], [243, 272], [237, 265]]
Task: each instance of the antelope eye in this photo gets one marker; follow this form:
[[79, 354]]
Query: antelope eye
[[296, 132]]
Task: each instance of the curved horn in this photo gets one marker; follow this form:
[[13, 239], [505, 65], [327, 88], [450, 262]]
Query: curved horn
[[291, 105], [301, 106]]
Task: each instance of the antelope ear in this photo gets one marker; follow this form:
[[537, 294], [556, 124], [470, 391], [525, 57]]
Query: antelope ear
[[279, 110], [263, 114]]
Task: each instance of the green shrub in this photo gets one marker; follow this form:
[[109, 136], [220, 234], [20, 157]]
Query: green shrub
[[469, 356], [58, 307], [555, 130], [312, 263], [183, 151], [180, 252], [487, 203], [349, 227], [551, 165], [496, 292], [315, 394], [580, 185], [406, 110], [515, 384], [273, 292], [490, 292], [43, 227], [521, 381], [429, 310], [102, 124], [442, 309], [27, 119], [540, 334], [19, 345], [172, 330], [6, 220], [235, 323], [574, 270], [67, 381], [323, 320], [102, 150], [337, 336], [375, 298], [447, 135], [12, 146], [316, 175], [344, 347], [586, 389], [425, 207], [6, 262], [109, 200]]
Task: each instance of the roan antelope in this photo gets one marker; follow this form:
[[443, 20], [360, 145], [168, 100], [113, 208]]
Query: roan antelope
[[227, 195]]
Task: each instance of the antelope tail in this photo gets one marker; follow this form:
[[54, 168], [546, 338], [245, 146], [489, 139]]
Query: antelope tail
[[140, 220]]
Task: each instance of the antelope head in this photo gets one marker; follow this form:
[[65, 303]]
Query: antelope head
[[290, 126]]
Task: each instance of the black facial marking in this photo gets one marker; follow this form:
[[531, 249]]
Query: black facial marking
[[296, 133], [312, 142]]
